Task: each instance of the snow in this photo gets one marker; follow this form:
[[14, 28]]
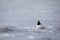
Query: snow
[[22, 15], [31, 37]]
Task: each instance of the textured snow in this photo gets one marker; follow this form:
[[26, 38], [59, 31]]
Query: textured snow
[[20, 17]]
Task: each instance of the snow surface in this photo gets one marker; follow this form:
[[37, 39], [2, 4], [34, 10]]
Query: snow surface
[[20, 17], [25, 33]]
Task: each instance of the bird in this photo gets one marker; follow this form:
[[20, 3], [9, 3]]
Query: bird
[[38, 25]]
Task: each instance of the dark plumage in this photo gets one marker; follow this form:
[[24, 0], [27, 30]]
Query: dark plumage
[[38, 23]]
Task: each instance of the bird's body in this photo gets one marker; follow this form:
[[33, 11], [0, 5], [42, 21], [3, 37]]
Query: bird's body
[[38, 25]]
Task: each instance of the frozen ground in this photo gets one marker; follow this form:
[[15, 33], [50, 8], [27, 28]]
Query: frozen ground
[[28, 33], [21, 15]]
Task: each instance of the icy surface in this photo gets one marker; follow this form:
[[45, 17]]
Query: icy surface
[[24, 33], [18, 19]]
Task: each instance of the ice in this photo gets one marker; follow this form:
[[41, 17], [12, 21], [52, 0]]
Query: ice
[[46, 39], [6, 34], [20, 17], [29, 33], [31, 37]]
